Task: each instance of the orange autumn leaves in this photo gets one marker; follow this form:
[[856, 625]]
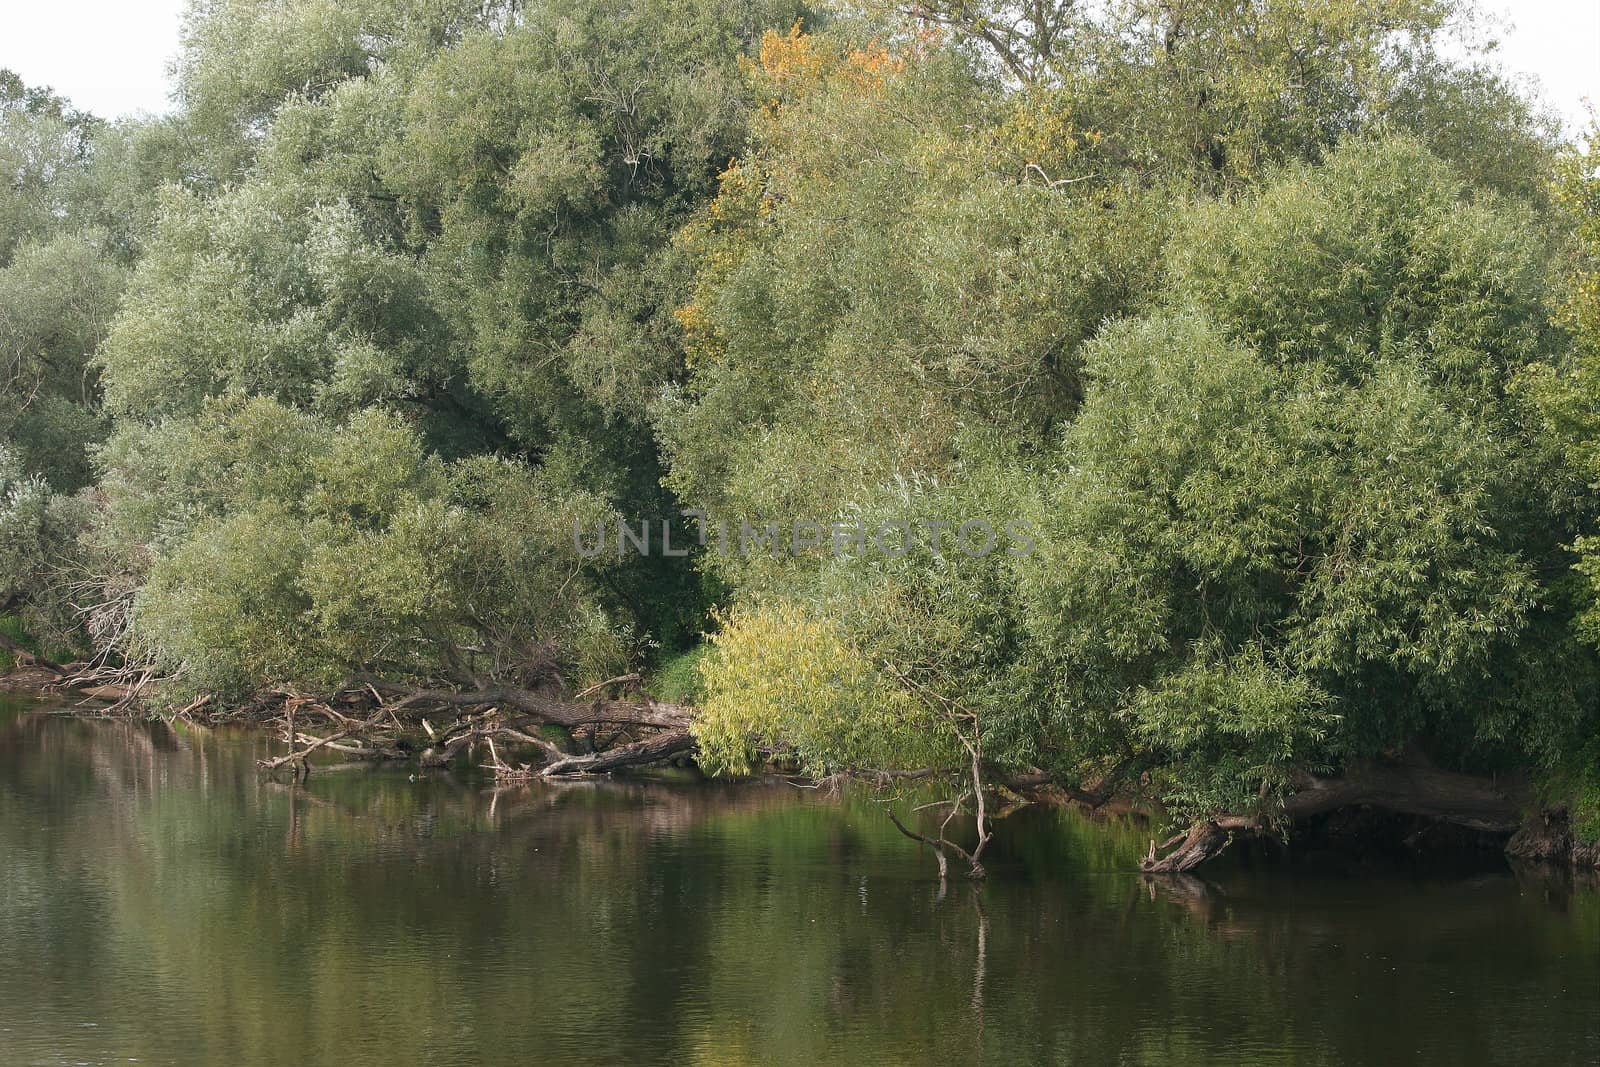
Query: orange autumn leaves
[[791, 64], [789, 70], [828, 109]]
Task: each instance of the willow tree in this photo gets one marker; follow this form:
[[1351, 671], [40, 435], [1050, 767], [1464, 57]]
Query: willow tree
[[1567, 393], [1303, 519], [308, 553], [1217, 92], [447, 217], [1248, 369], [59, 284], [889, 271], [890, 299]]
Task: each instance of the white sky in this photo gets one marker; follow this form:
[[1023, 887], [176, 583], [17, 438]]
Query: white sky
[[1556, 42], [106, 56], [110, 56]]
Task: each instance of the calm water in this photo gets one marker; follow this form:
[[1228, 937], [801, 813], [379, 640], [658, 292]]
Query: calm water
[[162, 903]]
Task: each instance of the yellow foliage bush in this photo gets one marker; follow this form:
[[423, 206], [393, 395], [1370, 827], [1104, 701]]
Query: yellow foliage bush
[[777, 673]]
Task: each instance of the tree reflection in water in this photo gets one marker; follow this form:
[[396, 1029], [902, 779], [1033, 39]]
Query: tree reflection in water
[[159, 888]]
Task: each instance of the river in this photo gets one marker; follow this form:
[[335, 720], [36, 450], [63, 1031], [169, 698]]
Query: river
[[163, 903]]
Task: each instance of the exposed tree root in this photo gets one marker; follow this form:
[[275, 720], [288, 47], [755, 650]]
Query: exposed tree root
[[1549, 839], [1412, 787]]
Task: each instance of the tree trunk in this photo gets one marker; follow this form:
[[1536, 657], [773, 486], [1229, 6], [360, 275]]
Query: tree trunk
[[1409, 788], [652, 750], [1202, 841]]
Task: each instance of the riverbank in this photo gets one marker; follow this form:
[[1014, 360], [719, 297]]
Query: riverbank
[[1400, 806], [28, 681]]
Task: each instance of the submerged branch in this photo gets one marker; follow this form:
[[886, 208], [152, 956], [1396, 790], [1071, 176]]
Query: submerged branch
[[396, 726]]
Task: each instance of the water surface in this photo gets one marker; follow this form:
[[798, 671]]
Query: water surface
[[163, 903]]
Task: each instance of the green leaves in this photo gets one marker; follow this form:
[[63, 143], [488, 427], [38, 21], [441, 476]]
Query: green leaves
[[1229, 733], [1327, 481], [882, 273], [1379, 253], [417, 285], [779, 675], [291, 551]]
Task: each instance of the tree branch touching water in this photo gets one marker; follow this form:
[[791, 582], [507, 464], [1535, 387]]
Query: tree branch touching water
[[399, 724], [1407, 787]]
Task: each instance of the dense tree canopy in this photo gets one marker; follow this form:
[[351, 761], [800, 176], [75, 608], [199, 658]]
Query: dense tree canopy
[[1262, 334]]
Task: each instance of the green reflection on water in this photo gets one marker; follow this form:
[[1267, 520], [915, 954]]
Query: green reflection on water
[[159, 900]]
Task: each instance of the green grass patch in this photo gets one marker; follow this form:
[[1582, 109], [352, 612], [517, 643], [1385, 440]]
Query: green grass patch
[[11, 626], [677, 681], [1575, 785]]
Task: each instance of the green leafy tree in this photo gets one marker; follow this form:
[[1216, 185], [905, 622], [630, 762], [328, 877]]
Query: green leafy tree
[[44, 142], [294, 552], [455, 216], [1303, 520], [886, 269]]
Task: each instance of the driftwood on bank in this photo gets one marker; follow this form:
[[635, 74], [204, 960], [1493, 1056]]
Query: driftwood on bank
[[377, 719], [380, 720], [384, 720], [546, 709], [658, 749], [1412, 787]]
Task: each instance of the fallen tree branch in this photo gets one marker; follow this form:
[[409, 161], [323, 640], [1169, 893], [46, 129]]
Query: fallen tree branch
[[291, 706], [651, 750], [632, 678], [938, 844], [558, 712]]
